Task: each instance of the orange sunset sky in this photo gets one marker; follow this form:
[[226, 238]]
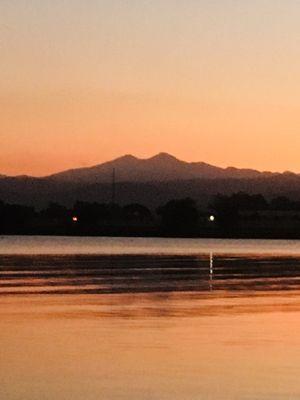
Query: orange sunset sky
[[82, 82]]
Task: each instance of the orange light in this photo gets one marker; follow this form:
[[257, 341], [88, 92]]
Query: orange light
[[74, 219]]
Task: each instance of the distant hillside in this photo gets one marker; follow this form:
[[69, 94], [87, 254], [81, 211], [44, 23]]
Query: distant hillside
[[39, 192], [162, 167], [151, 182]]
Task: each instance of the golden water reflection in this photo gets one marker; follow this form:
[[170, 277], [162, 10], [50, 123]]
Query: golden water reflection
[[91, 327]]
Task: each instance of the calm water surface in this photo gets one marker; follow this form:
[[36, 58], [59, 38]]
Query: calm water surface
[[134, 319]]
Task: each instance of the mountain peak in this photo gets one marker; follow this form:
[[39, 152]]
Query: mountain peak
[[162, 156], [127, 157]]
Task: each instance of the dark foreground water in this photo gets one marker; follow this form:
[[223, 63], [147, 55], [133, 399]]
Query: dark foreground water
[[135, 319]]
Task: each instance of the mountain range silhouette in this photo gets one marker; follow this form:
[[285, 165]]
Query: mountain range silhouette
[[161, 167], [148, 181]]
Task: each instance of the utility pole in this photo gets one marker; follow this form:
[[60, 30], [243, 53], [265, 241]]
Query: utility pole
[[113, 187]]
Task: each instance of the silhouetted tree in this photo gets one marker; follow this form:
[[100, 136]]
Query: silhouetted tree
[[238, 202], [282, 203], [15, 218], [244, 201], [136, 212], [55, 211], [92, 214], [179, 217], [228, 208]]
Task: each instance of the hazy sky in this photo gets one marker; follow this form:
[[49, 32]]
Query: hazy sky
[[82, 82]]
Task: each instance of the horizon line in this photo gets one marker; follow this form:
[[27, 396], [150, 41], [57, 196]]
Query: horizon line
[[162, 153]]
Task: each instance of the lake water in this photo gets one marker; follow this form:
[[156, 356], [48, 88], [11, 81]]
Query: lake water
[[153, 319]]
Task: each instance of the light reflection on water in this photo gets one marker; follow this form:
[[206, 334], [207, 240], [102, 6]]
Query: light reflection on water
[[194, 326], [95, 274]]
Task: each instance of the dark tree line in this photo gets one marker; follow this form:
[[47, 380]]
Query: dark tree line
[[226, 216], [243, 201], [179, 217]]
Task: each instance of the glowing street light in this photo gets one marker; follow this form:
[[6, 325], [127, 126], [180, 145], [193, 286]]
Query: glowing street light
[[212, 218], [74, 218]]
